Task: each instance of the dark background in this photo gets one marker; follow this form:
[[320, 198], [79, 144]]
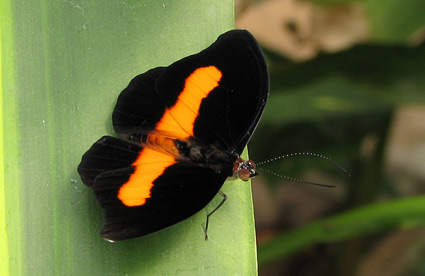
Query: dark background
[[347, 81]]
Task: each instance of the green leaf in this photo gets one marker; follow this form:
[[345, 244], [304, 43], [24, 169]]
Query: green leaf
[[403, 213], [63, 65], [396, 21]]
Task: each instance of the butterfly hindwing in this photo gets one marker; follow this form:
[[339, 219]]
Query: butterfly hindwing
[[107, 154], [178, 193]]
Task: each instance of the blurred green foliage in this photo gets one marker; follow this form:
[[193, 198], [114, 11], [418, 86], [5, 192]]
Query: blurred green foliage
[[331, 105]]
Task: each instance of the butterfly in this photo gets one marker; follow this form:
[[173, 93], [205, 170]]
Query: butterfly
[[183, 128]]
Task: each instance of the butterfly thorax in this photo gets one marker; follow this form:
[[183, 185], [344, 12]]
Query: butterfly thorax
[[193, 152], [211, 156]]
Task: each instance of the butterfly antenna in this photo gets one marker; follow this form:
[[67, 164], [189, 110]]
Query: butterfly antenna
[[300, 154], [295, 179]]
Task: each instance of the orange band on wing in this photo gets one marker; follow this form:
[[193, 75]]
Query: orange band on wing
[[180, 118], [149, 165], [179, 121]]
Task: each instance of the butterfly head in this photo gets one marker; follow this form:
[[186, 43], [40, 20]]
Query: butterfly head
[[244, 169]]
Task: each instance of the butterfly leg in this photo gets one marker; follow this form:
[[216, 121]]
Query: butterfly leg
[[213, 211]]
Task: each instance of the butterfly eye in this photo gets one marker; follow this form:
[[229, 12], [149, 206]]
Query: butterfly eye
[[252, 164], [244, 174]]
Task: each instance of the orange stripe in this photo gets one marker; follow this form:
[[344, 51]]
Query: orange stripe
[[179, 122], [149, 165], [179, 119]]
